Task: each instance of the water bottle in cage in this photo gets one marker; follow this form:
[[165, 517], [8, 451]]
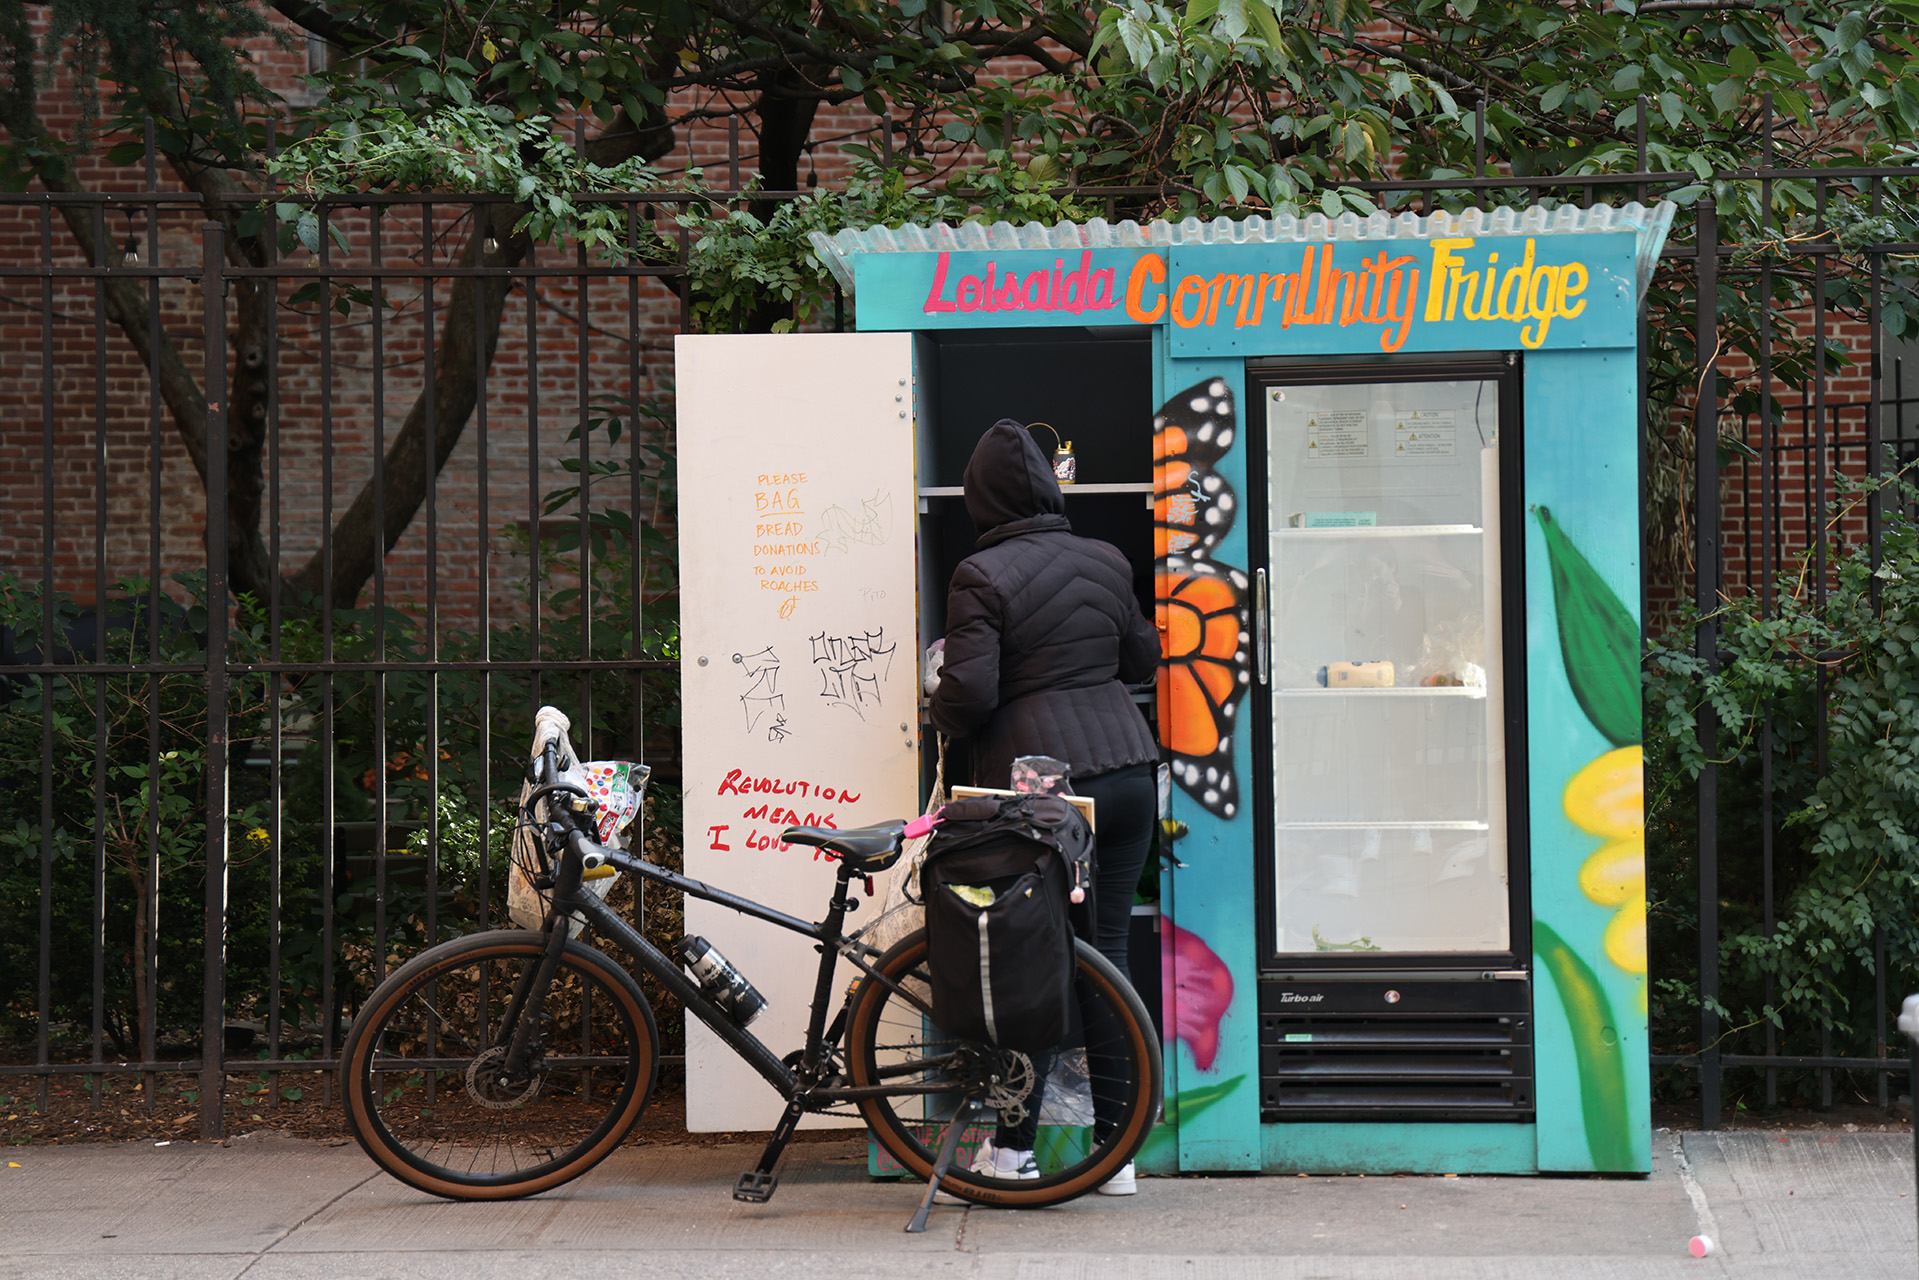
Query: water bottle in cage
[[724, 985]]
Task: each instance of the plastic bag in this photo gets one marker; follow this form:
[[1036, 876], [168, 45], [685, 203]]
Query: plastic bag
[[902, 911], [615, 789], [1041, 775]]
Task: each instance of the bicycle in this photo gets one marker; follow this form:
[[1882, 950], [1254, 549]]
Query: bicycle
[[505, 1063]]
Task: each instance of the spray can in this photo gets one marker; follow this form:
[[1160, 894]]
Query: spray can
[[724, 985]]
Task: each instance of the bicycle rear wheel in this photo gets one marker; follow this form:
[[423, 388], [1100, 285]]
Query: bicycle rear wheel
[[419, 1069], [1112, 1054]]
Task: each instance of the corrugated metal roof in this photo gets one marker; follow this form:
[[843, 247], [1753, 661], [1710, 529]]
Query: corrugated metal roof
[[1650, 224]]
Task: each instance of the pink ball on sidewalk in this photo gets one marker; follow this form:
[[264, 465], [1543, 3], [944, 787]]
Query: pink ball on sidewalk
[[1700, 1247]]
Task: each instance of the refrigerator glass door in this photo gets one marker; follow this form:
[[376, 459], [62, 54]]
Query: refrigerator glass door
[[1389, 759]]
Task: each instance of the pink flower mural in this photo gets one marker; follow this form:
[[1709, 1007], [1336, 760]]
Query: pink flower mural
[[1201, 987]]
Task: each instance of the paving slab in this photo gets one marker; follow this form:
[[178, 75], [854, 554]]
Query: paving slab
[[269, 1208], [1780, 1201]]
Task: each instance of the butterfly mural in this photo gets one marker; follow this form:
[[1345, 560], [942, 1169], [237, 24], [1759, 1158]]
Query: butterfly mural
[[1202, 612], [1193, 506]]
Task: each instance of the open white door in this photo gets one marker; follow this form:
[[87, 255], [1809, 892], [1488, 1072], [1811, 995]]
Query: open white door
[[800, 650]]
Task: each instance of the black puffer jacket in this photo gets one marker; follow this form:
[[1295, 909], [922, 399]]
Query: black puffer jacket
[[1041, 628]]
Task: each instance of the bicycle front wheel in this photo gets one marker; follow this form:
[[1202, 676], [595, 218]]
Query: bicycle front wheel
[[1097, 1102], [420, 1069]]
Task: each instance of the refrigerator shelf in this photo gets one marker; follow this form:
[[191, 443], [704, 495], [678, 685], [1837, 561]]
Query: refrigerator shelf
[[1389, 691], [1381, 531]]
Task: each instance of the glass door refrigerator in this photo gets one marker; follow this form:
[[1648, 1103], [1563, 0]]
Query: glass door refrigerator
[[1394, 920]]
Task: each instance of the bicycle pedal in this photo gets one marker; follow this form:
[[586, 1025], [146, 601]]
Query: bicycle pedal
[[755, 1187]]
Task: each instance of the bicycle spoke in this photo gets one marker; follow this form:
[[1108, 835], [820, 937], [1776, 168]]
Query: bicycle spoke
[[428, 1092]]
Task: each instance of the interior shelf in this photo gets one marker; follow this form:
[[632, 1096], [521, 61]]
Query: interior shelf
[[1372, 531], [1389, 691]]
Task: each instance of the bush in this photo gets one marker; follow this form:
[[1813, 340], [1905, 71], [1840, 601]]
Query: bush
[[1819, 700]]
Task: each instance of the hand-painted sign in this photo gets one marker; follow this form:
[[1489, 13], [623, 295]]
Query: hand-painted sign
[[1446, 293]]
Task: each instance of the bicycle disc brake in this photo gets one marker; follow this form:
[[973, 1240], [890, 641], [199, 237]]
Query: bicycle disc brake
[[484, 1085], [1013, 1086]]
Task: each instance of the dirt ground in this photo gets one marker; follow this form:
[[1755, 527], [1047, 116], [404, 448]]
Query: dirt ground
[[1847, 1117]]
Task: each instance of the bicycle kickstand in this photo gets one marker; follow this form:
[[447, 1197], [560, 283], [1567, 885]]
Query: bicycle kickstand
[[944, 1161]]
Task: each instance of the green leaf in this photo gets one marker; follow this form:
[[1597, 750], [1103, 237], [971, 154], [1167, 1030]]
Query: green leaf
[[1183, 1108], [1188, 1104], [1265, 18], [1727, 95], [1232, 19], [1598, 639], [1599, 1060]]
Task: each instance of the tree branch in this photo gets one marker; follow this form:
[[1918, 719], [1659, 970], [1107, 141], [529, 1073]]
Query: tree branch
[[1697, 6], [468, 339], [329, 27], [127, 308]]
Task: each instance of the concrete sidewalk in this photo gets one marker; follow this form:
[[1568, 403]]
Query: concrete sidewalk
[[268, 1208]]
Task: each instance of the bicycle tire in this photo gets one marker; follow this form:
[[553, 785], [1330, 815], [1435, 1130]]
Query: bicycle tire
[[890, 1023], [411, 1071]]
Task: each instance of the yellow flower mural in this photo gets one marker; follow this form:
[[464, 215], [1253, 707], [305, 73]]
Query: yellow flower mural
[[1607, 799]]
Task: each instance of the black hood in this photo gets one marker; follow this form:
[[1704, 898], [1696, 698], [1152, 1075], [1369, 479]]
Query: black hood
[[1009, 481]]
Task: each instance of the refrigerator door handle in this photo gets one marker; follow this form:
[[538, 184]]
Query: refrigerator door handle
[[1260, 656]]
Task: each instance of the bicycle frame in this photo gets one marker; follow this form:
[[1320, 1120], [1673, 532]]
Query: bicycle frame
[[568, 897]]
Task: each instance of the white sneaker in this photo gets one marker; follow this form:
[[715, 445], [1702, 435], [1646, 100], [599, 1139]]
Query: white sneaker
[[991, 1161], [995, 1162], [1122, 1183]]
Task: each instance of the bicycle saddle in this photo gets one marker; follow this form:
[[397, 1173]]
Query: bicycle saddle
[[865, 849]]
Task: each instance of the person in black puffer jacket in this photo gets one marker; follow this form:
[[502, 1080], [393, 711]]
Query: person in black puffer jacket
[[1042, 636]]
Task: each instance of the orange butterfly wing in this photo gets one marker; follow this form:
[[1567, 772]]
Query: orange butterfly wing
[[1208, 668], [1201, 605]]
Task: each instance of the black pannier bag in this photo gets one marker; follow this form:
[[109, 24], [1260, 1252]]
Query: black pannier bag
[[997, 882]]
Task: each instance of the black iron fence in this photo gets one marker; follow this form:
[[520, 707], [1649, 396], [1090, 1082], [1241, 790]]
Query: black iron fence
[[256, 746]]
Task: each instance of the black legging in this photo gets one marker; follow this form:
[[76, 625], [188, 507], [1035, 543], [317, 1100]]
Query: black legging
[[1125, 804]]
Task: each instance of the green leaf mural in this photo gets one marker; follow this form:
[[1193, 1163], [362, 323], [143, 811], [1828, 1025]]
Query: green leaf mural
[[1602, 1068], [1185, 1106], [1599, 638]]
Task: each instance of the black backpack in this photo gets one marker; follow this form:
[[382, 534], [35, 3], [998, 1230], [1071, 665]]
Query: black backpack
[[997, 881]]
